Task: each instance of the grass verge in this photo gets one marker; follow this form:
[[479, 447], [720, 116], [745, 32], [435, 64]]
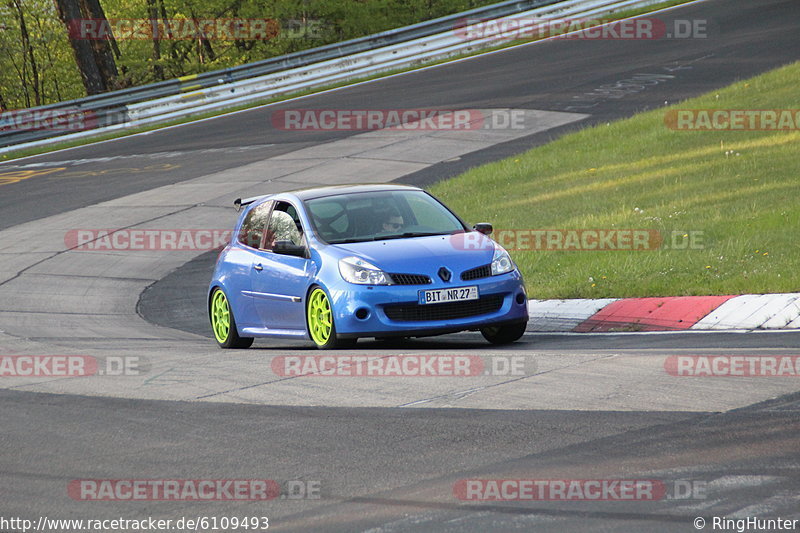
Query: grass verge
[[736, 193]]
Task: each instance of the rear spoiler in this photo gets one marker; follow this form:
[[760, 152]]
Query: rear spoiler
[[239, 203]]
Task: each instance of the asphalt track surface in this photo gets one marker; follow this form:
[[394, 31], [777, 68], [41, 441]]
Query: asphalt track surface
[[388, 469]]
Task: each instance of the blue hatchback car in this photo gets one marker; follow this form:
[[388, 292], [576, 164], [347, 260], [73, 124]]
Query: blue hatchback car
[[337, 263]]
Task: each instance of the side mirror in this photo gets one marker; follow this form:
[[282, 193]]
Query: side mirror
[[483, 227], [289, 248]]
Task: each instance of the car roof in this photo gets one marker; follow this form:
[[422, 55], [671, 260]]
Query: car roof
[[335, 190], [322, 192]]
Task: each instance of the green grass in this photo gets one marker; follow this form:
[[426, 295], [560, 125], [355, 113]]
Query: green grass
[[60, 145], [746, 202]]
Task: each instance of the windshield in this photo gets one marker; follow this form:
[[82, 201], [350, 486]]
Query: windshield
[[372, 216]]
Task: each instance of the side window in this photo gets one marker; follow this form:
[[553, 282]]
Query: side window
[[284, 225], [254, 224], [330, 217]]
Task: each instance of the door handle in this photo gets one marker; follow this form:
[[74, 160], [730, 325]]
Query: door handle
[[258, 267]]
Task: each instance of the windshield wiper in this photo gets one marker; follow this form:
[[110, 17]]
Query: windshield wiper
[[409, 234], [349, 241]]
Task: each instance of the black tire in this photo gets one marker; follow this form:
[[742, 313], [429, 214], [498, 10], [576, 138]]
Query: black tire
[[226, 337], [504, 334]]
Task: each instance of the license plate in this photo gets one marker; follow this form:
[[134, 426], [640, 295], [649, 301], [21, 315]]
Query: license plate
[[457, 294]]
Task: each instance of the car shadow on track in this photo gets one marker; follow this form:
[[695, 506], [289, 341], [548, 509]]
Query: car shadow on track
[[455, 341]]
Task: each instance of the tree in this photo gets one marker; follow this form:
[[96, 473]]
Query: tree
[[152, 11], [103, 48], [36, 62], [93, 57], [26, 44]]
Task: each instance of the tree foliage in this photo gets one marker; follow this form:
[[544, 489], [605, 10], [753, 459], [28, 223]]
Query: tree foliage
[[38, 64], [50, 56]]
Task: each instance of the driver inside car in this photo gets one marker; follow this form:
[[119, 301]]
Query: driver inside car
[[392, 221]]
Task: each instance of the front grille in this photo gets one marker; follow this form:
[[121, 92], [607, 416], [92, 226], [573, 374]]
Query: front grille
[[477, 273], [410, 279], [446, 311]]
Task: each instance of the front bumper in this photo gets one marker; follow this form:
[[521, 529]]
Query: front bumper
[[361, 311]]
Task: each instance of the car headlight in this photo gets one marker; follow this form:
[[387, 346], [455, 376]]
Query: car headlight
[[501, 262], [355, 270]]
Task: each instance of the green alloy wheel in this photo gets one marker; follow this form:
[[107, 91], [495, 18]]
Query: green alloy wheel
[[223, 323], [319, 318]]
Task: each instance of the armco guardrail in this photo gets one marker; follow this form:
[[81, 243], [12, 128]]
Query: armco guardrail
[[325, 65]]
